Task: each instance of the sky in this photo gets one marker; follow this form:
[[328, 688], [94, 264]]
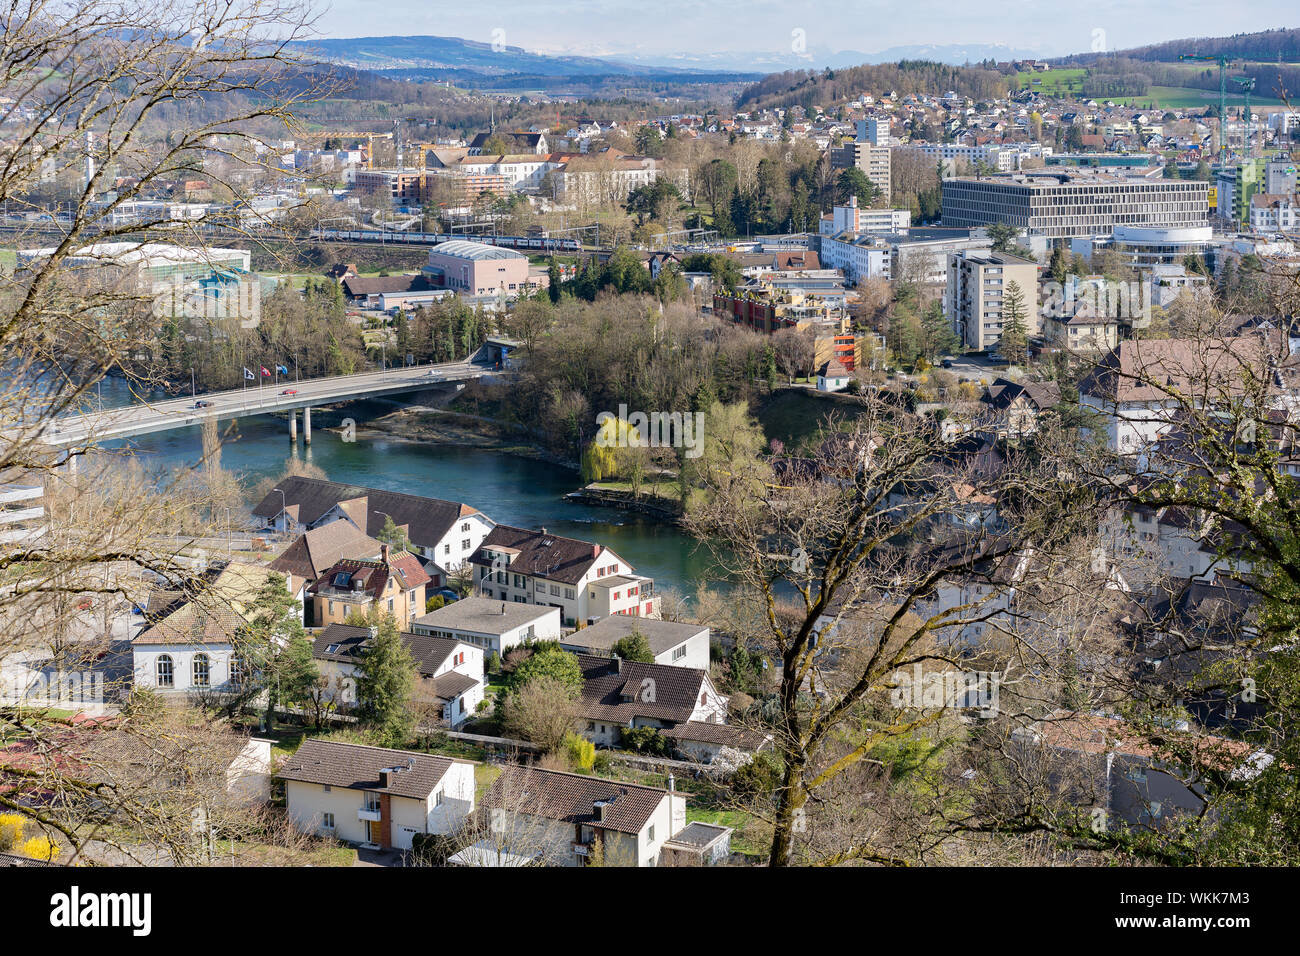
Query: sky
[[809, 30]]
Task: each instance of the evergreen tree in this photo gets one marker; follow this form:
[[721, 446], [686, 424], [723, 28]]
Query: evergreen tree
[[1015, 337], [385, 686]]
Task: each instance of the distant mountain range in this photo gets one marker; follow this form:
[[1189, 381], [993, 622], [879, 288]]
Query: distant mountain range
[[453, 53], [425, 53]]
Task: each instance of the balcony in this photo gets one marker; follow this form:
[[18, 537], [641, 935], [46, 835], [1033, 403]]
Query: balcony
[[368, 812]]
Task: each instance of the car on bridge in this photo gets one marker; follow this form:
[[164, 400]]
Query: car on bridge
[[289, 391], [202, 404]]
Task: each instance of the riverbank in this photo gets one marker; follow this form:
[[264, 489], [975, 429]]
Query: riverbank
[[421, 424], [424, 425]]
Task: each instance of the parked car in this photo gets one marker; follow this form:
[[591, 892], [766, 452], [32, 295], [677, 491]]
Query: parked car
[[290, 391], [946, 363], [202, 404]]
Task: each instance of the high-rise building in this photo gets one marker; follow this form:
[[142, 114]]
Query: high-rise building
[[1065, 205], [976, 297], [872, 160]]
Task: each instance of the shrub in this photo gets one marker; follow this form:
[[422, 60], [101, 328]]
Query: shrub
[[11, 830], [761, 776], [581, 752], [432, 849], [40, 848], [644, 740], [603, 762]]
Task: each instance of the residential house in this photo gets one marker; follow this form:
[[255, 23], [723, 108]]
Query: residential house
[[1109, 766], [314, 552], [1014, 407], [450, 671], [375, 796], [832, 376], [619, 695], [395, 583], [492, 625], [553, 818], [672, 643], [443, 533], [585, 581]]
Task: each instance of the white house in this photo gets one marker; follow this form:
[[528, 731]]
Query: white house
[[493, 625], [673, 643], [618, 695], [443, 534], [534, 567], [374, 796], [553, 818], [187, 646], [832, 376], [451, 671]]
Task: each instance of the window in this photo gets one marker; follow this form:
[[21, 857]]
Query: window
[[390, 605], [165, 676], [651, 834], [464, 545], [555, 590], [446, 548], [327, 819], [569, 593], [201, 668], [236, 669], [679, 652], [437, 799], [465, 526]]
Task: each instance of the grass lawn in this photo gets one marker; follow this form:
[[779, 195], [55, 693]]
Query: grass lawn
[[794, 416], [751, 836], [484, 775], [1187, 97], [1056, 82]]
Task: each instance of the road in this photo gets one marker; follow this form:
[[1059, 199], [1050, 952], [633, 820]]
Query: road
[[253, 400]]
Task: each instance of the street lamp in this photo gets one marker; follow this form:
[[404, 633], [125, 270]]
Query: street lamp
[[194, 391]]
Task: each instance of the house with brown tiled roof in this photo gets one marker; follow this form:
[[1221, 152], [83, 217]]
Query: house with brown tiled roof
[[444, 534], [619, 695], [1105, 763], [374, 796], [551, 818], [313, 552], [450, 672], [586, 581], [1139, 386], [393, 584]]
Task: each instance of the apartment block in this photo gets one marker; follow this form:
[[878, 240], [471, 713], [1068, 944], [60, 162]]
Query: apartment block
[[872, 160], [976, 295]]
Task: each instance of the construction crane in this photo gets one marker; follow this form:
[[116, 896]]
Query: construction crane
[[1223, 62], [1247, 84]]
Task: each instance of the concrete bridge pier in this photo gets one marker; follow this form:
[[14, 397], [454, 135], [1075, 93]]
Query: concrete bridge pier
[[293, 426], [306, 425]]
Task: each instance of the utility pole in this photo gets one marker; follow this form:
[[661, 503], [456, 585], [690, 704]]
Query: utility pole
[[1223, 94]]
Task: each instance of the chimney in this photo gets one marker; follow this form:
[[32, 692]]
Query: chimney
[[542, 531], [595, 551], [618, 664], [598, 810], [672, 783], [383, 553], [383, 778]]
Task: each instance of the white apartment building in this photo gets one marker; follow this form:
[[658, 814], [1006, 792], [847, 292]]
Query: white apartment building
[[495, 626], [858, 257], [535, 567], [861, 220]]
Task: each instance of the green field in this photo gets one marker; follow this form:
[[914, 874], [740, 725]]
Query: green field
[[1054, 82], [1070, 83]]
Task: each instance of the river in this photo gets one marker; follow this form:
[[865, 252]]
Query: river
[[508, 488]]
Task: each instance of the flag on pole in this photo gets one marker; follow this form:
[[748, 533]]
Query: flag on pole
[[248, 374], [282, 369], [266, 371]]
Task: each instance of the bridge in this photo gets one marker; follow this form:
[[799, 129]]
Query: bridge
[[256, 399]]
